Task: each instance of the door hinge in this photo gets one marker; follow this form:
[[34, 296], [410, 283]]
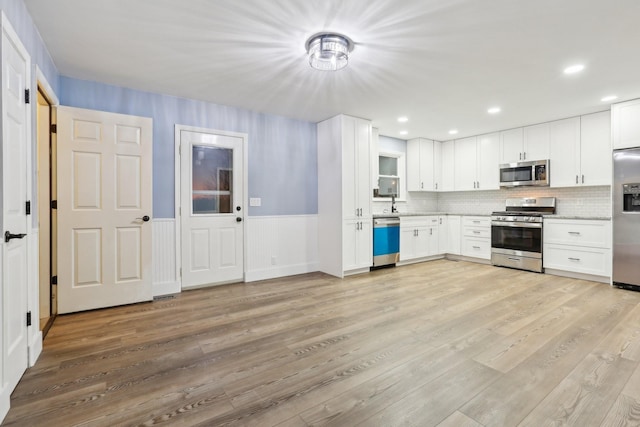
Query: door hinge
[[28, 318], [54, 204], [27, 207], [54, 280], [27, 96], [54, 128]]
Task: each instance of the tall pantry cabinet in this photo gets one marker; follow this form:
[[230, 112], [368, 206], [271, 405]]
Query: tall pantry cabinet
[[345, 234]]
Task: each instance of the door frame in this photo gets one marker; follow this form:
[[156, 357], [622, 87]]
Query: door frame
[[177, 188], [43, 85]]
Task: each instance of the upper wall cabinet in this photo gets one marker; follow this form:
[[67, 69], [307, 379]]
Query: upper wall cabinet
[[356, 172], [580, 151], [420, 165], [522, 144], [476, 163], [447, 166], [625, 118]]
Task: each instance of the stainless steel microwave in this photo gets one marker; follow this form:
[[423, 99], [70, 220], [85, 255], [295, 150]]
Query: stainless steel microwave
[[533, 173]]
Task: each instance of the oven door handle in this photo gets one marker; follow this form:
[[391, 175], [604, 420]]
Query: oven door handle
[[517, 224]]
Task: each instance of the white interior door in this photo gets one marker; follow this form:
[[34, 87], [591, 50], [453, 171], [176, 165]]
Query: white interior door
[[16, 65], [104, 207], [211, 195]]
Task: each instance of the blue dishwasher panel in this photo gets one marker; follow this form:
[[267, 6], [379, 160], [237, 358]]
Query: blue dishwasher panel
[[386, 240]]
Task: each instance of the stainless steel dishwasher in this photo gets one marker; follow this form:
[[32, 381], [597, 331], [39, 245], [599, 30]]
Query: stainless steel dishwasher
[[386, 241]]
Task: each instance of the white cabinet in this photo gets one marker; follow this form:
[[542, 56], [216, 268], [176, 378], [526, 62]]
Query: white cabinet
[[453, 231], [437, 165], [420, 165], [579, 246], [358, 244], [595, 149], [580, 151], [443, 235], [522, 144], [625, 123], [476, 237], [476, 163], [447, 175], [419, 237], [344, 195]]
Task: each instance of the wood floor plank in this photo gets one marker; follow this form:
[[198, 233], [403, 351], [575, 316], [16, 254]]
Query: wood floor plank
[[437, 343]]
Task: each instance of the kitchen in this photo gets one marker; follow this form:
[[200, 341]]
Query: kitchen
[[437, 96]]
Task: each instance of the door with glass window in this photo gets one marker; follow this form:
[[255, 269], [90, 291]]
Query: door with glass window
[[211, 195]]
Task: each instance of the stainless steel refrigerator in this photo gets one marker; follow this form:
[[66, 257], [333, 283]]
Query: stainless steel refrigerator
[[626, 218]]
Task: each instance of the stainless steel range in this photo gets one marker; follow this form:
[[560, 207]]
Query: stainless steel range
[[516, 233]]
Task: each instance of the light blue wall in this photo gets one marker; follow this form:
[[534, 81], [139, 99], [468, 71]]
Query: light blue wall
[[283, 169]]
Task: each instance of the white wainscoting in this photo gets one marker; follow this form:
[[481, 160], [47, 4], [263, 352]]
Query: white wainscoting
[[164, 278], [280, 246]]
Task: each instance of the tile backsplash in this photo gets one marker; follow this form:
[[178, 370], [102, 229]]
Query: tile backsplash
[[578, 201]]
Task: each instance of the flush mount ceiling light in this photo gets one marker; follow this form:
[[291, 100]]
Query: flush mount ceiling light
[[609, 98], [574, 69], [328, 51], [494, 110]]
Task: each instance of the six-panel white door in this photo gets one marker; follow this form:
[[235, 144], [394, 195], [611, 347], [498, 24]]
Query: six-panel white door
[[211, 195], [104, 207], [16, 65]]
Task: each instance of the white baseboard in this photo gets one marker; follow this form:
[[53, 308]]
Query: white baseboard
[[582, 276], [5, 402], [35, 346], [274, 272], [166, 288]]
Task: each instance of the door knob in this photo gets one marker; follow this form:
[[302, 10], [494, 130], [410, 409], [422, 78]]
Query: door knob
[[145, 218], [8, 236], [238, 219]]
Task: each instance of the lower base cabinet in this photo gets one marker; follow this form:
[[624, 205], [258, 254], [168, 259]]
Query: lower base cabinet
[[476, 237], [357, 249], [419, 237]]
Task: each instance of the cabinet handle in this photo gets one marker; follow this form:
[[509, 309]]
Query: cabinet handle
[[478, 184], [422, 185], [520, 156], [576, 179], [576, 233], [436, 185], [431, 232], [476, 247], [476, 232], [440, 221], [474, 184], [514, 259], [475, 221], [524, 156], [574, 259], [583, 179]]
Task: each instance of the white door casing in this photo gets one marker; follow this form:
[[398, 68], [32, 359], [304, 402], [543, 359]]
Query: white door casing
[[16, 185], [211, 206], [104, 206]]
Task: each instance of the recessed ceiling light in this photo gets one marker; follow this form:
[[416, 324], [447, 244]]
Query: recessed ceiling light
[[609, 98], [403, 119], [404, 132], [574, 69], [453, 131], [494, 110]]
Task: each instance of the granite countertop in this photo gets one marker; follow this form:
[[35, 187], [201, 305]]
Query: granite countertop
[[399, 214], [581, 217]]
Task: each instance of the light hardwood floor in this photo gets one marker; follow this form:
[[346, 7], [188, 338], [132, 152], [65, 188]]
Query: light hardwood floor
[[442, 343]]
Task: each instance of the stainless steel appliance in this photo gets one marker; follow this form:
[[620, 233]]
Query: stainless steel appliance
[[386, 241], [516, 233], [626, 218], [533, 173]]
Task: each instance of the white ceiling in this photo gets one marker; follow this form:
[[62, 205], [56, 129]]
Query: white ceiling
[[441, 63]]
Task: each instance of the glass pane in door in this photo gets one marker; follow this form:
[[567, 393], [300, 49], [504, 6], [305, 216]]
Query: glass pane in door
[[211, 181]]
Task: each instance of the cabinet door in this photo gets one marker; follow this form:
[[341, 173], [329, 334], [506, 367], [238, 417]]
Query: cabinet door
[[426, 165], [488, 150], [595, 149], [448, 166], [536, 142], [407, 243], [564, 150], [423, 242], [362, 168], [437, 165], [625, 120], [414, 179], [349, 244], [443, 235], [511, 145], [465, 164], [349, 174], [364, 249], [453, 226]]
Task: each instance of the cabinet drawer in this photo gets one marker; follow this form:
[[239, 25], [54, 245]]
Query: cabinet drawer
[[596, 234], [414, 221], [481, 232], [476, 221], [577, 259], [477, 248]]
